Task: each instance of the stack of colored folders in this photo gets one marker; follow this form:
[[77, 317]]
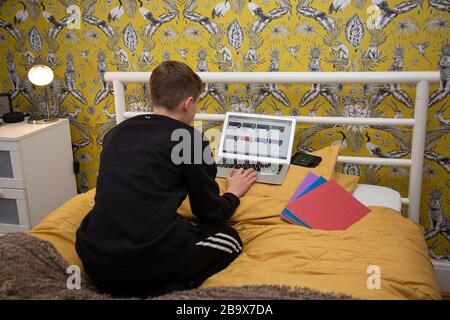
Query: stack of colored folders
[[324, 205]]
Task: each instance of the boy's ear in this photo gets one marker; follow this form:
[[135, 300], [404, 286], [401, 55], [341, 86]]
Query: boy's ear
[[186, 103]]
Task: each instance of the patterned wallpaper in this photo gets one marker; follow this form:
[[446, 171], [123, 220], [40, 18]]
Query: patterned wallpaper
[[80, 40]]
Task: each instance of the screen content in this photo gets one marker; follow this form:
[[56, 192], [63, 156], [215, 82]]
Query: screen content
[[257, 137]]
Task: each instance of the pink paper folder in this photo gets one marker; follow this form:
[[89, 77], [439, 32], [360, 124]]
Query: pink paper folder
[[309, 180], [328, 207]]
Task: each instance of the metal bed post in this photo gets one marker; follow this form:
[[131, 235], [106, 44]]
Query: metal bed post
[[417, 150], [119, 100]]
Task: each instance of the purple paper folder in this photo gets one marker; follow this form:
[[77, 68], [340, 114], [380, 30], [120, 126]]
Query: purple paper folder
[[306, 183], [317, 183]]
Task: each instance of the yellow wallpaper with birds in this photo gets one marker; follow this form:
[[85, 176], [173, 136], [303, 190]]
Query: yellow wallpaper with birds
[[80, 40]]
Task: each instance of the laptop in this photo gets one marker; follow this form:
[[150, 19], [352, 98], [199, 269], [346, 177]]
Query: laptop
[[256, 141]]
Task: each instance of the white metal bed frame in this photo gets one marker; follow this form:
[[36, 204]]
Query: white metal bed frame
[[420, 78]]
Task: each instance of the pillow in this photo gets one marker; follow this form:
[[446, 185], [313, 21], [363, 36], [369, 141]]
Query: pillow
[[346, 181], [265, 200], [59, 227]]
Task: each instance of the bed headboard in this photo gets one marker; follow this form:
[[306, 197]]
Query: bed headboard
[[421, 79]]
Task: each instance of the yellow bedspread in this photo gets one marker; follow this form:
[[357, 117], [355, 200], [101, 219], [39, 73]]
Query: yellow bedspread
[[339, 261], [276, 252]]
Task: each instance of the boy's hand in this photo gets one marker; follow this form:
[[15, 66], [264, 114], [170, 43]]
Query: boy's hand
[[240, 181]]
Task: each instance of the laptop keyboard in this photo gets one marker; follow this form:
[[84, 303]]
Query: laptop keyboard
[[257, 166]]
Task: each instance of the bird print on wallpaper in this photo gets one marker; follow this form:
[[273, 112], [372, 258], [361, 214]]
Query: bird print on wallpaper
[[155, 22], [375, 150], [382, 4], [84, 54], [342, 141], [116, 12], [50, 18], [253, 7], [338, 5], [57, 25], [220, 9], [182, 53], [293, 50], [421, 48], [21, 15]]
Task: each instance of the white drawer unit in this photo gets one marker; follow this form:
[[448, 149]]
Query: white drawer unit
[[36, 172]]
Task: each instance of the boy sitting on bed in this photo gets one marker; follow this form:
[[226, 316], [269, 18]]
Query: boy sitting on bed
[[133, 242]]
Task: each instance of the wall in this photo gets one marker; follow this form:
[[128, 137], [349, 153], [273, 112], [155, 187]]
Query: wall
[[80, 40]]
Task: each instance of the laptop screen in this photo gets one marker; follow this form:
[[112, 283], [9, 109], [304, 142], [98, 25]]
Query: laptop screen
[[260, 137]]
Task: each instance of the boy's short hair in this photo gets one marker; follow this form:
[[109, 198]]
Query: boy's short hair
[[173, 81]]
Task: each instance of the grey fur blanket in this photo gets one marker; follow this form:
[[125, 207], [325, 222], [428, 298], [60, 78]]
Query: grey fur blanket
[[31, 268]]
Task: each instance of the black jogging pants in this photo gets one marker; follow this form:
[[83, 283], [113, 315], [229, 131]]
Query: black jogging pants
[[215, 249]]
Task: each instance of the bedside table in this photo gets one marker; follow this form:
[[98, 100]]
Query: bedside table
[[36, 172]]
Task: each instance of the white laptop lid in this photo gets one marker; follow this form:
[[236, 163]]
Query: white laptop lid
[[256, 137]]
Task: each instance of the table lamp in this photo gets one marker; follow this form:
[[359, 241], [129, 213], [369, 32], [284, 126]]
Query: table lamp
[[41, 75]]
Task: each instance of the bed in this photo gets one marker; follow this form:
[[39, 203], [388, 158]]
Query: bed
[[383, 256]]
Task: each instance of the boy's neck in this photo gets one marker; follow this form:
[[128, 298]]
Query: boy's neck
[[171, 114]]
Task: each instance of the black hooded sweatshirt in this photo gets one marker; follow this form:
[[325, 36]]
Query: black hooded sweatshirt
[[134, 224]]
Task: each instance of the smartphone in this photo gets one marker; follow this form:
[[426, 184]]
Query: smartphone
[[305, 160]]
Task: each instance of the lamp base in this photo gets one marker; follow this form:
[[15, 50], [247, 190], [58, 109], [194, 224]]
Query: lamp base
[[42, 121]]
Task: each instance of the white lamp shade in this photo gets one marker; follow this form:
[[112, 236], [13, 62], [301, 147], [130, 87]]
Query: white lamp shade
[[40, 75]]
